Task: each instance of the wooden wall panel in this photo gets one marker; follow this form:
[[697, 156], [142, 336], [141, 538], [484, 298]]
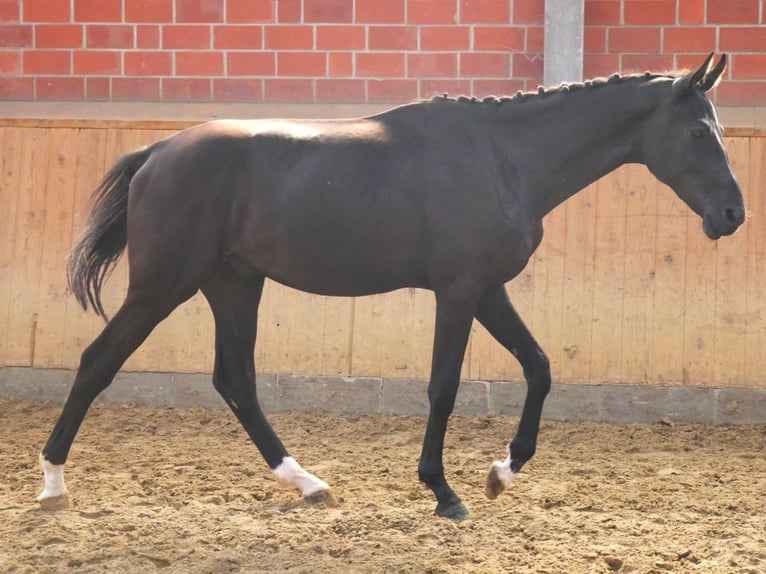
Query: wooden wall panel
[[624, 288]]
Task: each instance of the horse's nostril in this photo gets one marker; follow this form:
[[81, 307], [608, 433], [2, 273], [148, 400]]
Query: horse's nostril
[[730, 215]]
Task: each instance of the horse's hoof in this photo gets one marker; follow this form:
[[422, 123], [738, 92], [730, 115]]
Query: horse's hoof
[[323, 498], [455, 511], [58, 502], [498, 479]]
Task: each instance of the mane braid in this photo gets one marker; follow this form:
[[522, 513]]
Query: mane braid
[[565, 87]]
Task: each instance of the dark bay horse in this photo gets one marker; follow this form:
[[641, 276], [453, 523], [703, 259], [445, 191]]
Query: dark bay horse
[[447, 195]]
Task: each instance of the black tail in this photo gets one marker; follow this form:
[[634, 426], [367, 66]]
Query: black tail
[[106, 234]]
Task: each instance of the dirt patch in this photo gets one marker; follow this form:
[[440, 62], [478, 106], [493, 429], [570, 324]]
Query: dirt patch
[[184, 491]]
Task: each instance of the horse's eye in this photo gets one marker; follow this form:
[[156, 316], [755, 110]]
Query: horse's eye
[[699, 131]]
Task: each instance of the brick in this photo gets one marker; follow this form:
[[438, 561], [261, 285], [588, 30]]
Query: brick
[[233, 37], [289, 38], [112, 36], [573, 402], [241, 11], [391, 90], [33, 384], [15, 36], [485, 11], [195, 390], [251, 63], [9, 11], [16, 88], [507, 397], [634, 40], [392, 37], [498, 38], [687, 39], [58, 36], [535, 39], [345, 90], [647, 63], [600, 65], [147, 63], [594, 39], [340, 37], [186, 89], [97, 10], [429, 88], [202, 63], [380, 65], [60, 88], [289, 11], [46, 10], [732, 11], [199, 11], [527, 66], [47, 62], [496, 87], [742, 39], [690, 62], [405, 397], [186, 37], [472, 399], [340, 64], [486, 65], [151, 389], [336, 11], [96, 62], [288, 90], [238, 90], [752, 93], [602, 13], [444, 38], [97, 88], [633, 403], [740, 406], [147, 36], [431, 65], [648, 12], [136, 89], [748, 66], [432, 11], [10, 62], [379, 11], [156, 11], [691, 11], [529, 12], [310, 64]]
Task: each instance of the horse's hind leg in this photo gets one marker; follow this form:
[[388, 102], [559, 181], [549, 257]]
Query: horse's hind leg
[[99, 363], [234, 302]]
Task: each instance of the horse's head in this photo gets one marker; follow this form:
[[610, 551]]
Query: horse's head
[[683, 147]]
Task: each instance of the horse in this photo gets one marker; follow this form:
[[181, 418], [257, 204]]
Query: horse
[[446, 194]]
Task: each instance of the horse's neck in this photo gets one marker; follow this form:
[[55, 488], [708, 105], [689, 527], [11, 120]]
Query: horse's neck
[[574, 138]]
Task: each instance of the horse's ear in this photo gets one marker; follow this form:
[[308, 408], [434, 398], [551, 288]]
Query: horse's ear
[[712, 78], [693, 79]]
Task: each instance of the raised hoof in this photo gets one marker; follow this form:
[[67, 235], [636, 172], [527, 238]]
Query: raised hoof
[[494, 485], [455, 511], [323, 498], [59, 502]]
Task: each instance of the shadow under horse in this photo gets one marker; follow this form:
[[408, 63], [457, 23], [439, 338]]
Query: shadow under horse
[[447, 195]]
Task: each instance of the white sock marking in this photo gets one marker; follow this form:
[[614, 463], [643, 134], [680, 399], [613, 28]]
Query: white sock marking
[[290, 472], [53, 479], [504, 472]]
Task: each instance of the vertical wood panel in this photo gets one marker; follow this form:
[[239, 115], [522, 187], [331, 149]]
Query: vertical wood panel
[[11, 152]]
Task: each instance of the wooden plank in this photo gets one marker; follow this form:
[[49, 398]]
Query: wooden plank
[[731, 271], [267, 342], [57, 233], [367, 336], [608, 279], [11, 177], [755, 293], [80, 328], [28, 245], [638, 294], [577, 309], [337, 325]]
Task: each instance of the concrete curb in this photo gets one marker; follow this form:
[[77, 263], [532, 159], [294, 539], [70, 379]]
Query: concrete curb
[[364, 395]]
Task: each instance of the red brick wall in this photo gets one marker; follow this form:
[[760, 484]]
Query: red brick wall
[[351, 50]]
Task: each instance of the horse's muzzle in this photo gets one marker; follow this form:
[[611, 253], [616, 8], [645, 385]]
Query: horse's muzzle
[[725, 221]]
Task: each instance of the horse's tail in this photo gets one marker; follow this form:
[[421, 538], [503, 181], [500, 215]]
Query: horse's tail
[[106, 234]]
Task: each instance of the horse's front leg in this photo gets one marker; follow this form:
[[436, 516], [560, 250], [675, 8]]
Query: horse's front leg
[[454, 315], [499, 317]]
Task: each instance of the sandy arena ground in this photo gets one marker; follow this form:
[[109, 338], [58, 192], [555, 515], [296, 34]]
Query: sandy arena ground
[[184, 491]]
